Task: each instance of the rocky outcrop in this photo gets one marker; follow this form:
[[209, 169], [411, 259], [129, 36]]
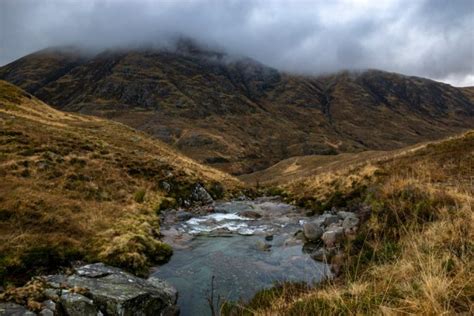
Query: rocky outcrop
[[97, 290], [199, 195], [111, 291]]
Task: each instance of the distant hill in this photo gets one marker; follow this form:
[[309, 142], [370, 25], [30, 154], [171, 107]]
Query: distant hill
[[78, 187], [237, 114]]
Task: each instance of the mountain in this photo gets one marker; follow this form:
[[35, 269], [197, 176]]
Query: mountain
[[72, 190], [237, 114]]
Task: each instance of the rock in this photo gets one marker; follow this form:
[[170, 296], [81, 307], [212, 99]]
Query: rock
[[50, 304], [333, 236], [299, 235], [75, 304], [269, 237], [200, 195], [165, 287], [48, 312], [165, 186], [183, 215], [250, 214], [309, 247], [350, 224], [312, 231], [330, 219], [12, 309], [319, 221], [52, 294], [114, 292], [344, 214]]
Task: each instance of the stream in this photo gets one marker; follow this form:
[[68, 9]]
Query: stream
[[245, 245]]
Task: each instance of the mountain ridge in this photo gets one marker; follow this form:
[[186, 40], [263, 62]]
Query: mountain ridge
[[240, 115]]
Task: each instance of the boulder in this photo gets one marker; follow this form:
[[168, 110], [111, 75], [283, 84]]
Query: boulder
[[75, 304], [183, 215], [350, 224], [114, 292], [165, 286], [200, 195], [332, 236], [312, 231]]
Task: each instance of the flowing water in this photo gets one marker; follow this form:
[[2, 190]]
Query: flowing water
[[243, 253]]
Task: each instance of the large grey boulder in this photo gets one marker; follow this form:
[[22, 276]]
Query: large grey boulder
[[115, 292], [312, 231], [75, 304]]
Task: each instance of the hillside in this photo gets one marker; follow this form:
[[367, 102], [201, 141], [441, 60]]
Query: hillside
[[76, 187], [237, 114], [413, 253]]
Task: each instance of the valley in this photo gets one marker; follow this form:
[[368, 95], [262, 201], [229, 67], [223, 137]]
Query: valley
[[186, 179]]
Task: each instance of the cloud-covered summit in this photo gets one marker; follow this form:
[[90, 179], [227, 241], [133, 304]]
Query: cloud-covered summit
[[431, 38]]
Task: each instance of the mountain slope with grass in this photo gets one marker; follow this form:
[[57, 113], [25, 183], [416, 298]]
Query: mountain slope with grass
[[237, 114], [77, 187], [413, 254]]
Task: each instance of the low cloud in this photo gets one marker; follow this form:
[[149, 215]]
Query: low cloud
[[432, 38]]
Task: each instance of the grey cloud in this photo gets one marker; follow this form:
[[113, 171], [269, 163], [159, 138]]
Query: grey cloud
[[431, 38]]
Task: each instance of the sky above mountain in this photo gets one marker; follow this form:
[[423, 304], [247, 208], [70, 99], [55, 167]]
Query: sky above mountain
[[428, 38]]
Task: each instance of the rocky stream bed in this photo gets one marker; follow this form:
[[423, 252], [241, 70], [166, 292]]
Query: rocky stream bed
[[235, 248]]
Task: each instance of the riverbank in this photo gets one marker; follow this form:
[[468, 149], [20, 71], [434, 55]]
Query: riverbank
[[415, 252]]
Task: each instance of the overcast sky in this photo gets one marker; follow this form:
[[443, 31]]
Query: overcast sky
[[429, 38]]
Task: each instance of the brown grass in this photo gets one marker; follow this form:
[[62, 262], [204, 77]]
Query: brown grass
[[414, 254], [69, 186]]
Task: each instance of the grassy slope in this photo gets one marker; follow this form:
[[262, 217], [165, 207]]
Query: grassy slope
[[79, 187], [415, 252], [297, 168]]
